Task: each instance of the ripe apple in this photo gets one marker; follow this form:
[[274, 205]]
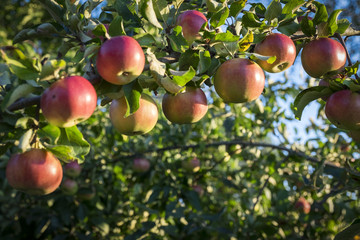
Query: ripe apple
[[239, 80], [68, 101], [191, 22], [191, 165], [140, 122], [35, 172], [302, 205], [199, 189], [279, 45], [343, 109], [322, 56], [188, 106], [72, 169], [120, 60], [141, 165], [69, 186]]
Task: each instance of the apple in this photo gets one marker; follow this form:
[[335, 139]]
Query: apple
[[68, 101], [191, 22], [199, 189], [72, 169], [86, 193], [69, 186], [191, 165], [185, 107], [279, 45], [140, 122], [343, 109], [239, 80], [35, 172], [120, 60], [302, 205], [141, 165], [322, 56]]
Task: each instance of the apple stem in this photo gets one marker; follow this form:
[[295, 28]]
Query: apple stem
[[338, 36]]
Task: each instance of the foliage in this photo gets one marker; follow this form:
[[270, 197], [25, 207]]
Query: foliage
[[252, 171]]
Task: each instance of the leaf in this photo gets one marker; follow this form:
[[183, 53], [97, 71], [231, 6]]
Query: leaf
[[205, 61], [24, 34], [177, 40], [321, 14], [307, 96], [116, 27], [307, 26], [147, 11], [292, 6], [251, 20], [343, 25], [288, 28], [193, 199], [25, 140], [170, 85], [255, 56], [349, 233], [219, 18], [225, 37], [236, 7], [132, 93], [51, 69], [332, 21], [157, 68], [273, 10], [181, 78], [246, 41], [49, 132], [19, 92], [161, 9]]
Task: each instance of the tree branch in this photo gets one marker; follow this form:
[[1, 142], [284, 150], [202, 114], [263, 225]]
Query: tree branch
[[23, 103]]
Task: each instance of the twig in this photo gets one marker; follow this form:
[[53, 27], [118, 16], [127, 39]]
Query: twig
[[23, 103]]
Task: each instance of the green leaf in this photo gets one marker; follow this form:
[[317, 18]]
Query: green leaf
[[307, 27], [225, 37], [273, 10], [193, 199], [236, 7], [219, 18], [177, 40], [181, 78], [343, 25], [350, 232], [116, 27], [256, 56], [148, 12], [292, 6], [307, 96], [251, 20], [321, 14], [51, 69], [205, 61], [100, 31], [25, 140], [49, 133], [332, 21], [20, 91], [132, 93], [288, 28], [157, 68], [162, 10], [25, 34]]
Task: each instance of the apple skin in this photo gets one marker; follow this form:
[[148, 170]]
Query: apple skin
[[140, 122], [35, 172], [239, 80], [141, 165], [342, 109], [191, 165], [191, 22], [303, 206], [68, 101], [322, 56], [278, 45], [69, 187], [72, 169], [120, 60], [185, 107]]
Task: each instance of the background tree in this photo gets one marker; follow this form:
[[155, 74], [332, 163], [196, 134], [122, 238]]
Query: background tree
[[259, 177]]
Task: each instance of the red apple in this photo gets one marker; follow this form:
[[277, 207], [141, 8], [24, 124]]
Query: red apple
[[302, 205], [239, 80], [35, 172], [198, 189], [188, 106], [120, 60], [278, 45], [69, 187], [191, 165], [140, 122], [191, 22], [68, 101], [322, 56], [141, 165], [72, 169], [343, 109]]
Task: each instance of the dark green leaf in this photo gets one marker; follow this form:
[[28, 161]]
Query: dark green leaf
[[205, 62], [321, 14], [273, 10], [332, 22], [236, 7], [219, 18], [307, 26], [148, 12], [251, 20], [132, 92]]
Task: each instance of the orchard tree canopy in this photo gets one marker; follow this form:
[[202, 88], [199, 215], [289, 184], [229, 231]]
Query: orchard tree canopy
[[178, 119]]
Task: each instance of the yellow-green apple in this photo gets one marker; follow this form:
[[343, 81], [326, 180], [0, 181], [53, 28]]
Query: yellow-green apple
[[185, 107], [302, 205], [239, 80], [68, 101], [120, 60], [69, 186], [36, 172], [342, 109], [322, 56], [140, 122], [279, 45], [191, 22], [141, 165], [191, 165], [72, 169]]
